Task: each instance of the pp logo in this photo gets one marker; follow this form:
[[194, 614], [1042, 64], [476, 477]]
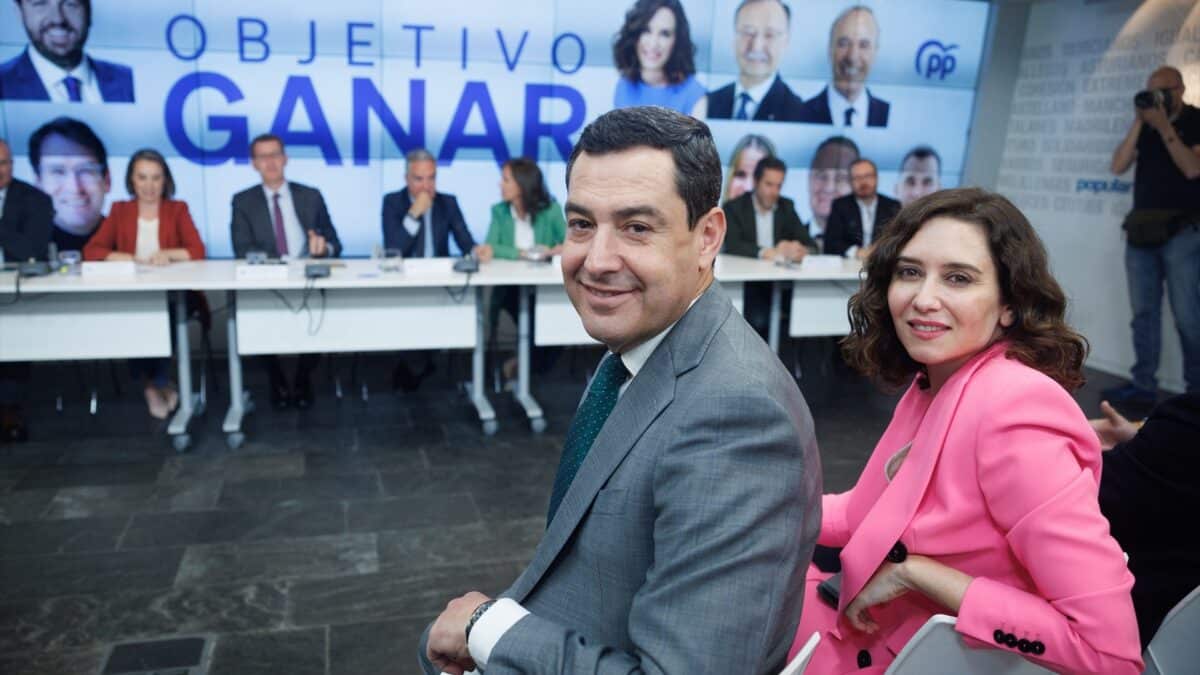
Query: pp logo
[[934, 58]]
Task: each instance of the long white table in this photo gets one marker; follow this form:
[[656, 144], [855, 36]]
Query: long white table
[[356, 309]]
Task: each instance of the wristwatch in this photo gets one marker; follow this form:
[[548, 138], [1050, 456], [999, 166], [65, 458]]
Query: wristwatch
[[475, 616]]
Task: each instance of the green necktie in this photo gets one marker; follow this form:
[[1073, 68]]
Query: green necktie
[[589, 419]]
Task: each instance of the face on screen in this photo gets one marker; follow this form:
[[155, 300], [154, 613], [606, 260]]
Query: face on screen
[[864, 180], [742, 180], [829, 177], [76, 182], [630, 264], [57, 29], [657, 40], [852, 47], [918, 177], [5, 165], [760, 40]]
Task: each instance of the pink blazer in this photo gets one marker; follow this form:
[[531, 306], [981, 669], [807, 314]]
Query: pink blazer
[[1000, 483]]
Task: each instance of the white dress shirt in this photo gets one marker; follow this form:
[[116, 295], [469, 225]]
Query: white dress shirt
[[838, 105], [53, 78], [866, 213], [757, 93], [522, 230], [506, 612], [297, 238], [147, 238], [764, 227], [3, 196]]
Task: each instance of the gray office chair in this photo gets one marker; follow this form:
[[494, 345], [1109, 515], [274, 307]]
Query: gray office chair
[[1175, 649], [937, 649]]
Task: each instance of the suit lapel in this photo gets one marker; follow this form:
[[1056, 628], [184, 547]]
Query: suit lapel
[[264, 226], [887, 520], [647, 397], [29, 80]]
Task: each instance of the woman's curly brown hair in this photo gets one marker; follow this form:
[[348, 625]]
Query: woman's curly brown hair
[[1039, 337]]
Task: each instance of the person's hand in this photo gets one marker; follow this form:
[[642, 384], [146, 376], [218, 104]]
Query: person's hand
[[447, 646], [484, 252], [117, 255], [318, 247], [1113, 428], [420, 204], [887, 584], [792, 250], [159, 258], [768, 253], [1157, 118]]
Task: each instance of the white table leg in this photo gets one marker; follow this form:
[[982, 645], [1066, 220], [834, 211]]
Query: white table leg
[[773, 330], [237, 396], [524, 330], [487, 415], [188, 401]]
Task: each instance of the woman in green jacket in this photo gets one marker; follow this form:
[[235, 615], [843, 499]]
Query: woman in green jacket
[[527, 225]]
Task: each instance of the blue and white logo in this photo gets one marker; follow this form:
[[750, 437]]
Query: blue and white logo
[[935, 58]]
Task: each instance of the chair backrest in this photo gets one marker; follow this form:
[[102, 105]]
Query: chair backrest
[[937, 649], [1175, 647], [800, 661]]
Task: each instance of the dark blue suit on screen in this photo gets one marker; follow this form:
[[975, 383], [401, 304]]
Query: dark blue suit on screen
[[19, 80]]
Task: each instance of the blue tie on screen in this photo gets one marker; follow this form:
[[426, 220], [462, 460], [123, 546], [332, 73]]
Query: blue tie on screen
[[589, 419], [743, 101], [849, 116], [74, 92]]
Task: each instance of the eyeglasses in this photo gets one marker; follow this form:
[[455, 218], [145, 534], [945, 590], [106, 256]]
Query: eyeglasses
[[830, 175], [84, 173], [752, 34]]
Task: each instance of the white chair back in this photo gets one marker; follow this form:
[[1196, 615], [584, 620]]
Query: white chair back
[[800, 661], [937, 649], [1175, 648]]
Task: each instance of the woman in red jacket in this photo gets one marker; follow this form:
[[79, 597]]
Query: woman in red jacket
[[155, 229]]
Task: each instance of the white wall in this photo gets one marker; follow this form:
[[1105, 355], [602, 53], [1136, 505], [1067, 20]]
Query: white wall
[[1077, 67]]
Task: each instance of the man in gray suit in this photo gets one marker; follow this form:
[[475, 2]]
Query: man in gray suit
[[687, 500], [282, 218]]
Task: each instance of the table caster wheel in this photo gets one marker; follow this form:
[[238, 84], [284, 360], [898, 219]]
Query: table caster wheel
[[181, 442], [490, 427], [537, 424], [235, 440]]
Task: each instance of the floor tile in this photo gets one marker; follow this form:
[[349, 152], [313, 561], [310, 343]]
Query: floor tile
[[330, 556], [210, 527], [50, 575], [61, 536], [404, 512], [296, 652]]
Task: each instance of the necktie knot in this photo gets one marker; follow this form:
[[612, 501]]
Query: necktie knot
[[849, 116], [743, 101], [74, 90]]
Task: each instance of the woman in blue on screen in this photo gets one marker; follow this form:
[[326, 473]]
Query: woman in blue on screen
[[656, 58]]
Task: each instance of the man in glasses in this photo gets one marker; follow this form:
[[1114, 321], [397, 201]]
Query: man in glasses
[[760, 39], [71, 165], [54, 67], [828, 179]]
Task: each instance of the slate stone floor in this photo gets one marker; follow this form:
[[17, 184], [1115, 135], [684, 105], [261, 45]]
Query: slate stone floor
[[324, 545]]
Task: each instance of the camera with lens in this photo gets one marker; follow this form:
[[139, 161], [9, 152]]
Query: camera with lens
[[1151, 98]]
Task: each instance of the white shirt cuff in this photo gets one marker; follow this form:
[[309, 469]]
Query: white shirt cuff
[[492, 626], [852, 252], [412, 225]]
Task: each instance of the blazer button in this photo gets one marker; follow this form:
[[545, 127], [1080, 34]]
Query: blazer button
[[898, 554], [1010, 640], [1024, 645], [998, 636], [1037, 648], [864, 659]]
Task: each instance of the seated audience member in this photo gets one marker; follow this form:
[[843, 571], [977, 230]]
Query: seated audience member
[[418, 221], [26, 215], [762, 224], [979, 500], [286, 219], [1149, 474], [656, 58], [526, 224], [740, 177], [859, 218], [71, 165], [154, 229]]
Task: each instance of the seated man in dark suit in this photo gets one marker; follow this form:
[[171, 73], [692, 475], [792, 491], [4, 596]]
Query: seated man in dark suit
[[56, 69], [853, 45], [418, 221], [761, 34], [285, 219], [762, 224], [857, 220], [25, 221], [1150, 475]]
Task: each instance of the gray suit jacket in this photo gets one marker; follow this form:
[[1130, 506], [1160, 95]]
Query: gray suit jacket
[[682, 545]]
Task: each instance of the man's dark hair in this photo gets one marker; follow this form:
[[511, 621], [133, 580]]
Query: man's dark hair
[[864, 160], [768, 163], [150, 155], [680, 63], [922, 152], [787, 11], [834, 140], [697, 166], [264, 138], [71, 129]]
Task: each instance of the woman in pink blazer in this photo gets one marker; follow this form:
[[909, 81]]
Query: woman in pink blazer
[[980, 499]]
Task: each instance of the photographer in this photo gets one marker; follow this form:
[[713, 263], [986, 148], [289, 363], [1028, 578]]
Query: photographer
[[1162, 230]]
